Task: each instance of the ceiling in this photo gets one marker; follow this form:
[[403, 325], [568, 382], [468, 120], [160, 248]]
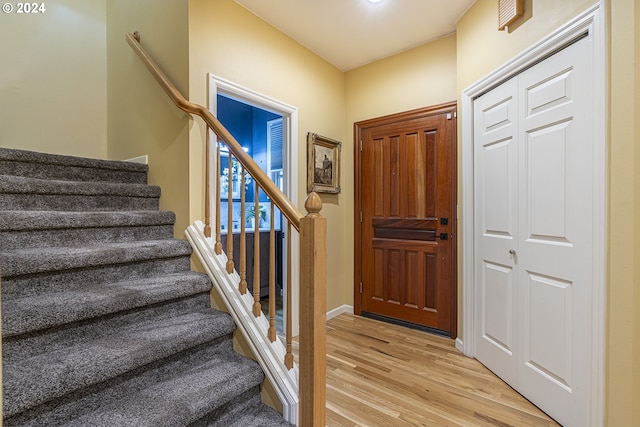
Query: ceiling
[[352, 33]]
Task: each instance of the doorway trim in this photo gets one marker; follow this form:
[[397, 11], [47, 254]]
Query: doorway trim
[[218, 85], [591, 22]]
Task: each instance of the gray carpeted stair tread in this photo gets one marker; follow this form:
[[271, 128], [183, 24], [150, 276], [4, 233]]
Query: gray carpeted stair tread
[[53, 220], [34, 186], [23, 193], [33, 284], [54, 166], [74, 237], [36, 344], [77, 203], [35, 380], [30, 229], [39, 260], [181, 400], [62, 306]]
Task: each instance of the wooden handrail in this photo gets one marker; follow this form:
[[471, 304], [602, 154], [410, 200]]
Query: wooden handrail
[[285, 205]]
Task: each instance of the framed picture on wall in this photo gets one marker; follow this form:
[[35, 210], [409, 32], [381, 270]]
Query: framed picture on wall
[[323, 164]]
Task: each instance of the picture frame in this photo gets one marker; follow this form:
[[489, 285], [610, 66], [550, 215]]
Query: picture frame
[[323, 164]]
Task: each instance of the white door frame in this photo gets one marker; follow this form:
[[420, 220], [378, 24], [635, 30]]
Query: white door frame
[[591, 21], [218, 85]]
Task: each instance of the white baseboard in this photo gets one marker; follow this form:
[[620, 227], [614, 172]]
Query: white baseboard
[[459, 345], [140, 159], [339, 310]]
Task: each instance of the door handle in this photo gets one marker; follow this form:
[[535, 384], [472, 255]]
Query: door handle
[[512, 252]]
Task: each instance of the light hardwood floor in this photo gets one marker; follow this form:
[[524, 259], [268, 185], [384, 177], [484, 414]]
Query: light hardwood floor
[[380, 374]]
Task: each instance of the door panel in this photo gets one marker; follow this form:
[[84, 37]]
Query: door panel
[[406, 187], [555, 233], [547, 183], [496, 189], [548, 351], [497, 325]]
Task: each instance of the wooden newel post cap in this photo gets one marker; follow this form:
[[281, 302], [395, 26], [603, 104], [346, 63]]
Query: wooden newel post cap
[[313, 204]]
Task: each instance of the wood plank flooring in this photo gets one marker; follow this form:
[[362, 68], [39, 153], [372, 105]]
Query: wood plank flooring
[[380, 374]]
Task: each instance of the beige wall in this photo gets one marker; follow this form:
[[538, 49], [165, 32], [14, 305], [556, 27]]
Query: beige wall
[[623, 374], [232, 43], [53, 73], [141, 118], [636, 180], [482, 48], [476, 32], [419, 77]]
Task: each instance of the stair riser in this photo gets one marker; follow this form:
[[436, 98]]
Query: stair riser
[[26, 315], [50, 260], [12, 240], [28, 345], [70, 173], [76, 203], [23, 286]]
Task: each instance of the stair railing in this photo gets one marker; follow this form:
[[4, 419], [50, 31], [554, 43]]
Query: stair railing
[[312, 234]]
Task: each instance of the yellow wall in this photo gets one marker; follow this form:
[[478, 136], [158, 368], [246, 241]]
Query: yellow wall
[[141, 118], [417, 78], [232, 43], [482, 48], [476, 32], [53, 73], [636, 180], [623, 374]]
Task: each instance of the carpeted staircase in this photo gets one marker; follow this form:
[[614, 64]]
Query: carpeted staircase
[[103, 322]]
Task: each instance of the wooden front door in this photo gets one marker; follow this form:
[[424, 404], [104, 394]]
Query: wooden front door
[[406, 217]]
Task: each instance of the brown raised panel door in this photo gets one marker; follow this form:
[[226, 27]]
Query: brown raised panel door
[[407, 200]]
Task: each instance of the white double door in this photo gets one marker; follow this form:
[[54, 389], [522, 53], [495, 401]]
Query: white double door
[[533, 160]]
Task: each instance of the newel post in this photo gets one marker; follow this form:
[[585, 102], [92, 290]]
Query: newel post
[[313, 310]]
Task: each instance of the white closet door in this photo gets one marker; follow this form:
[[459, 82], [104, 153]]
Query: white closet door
[[555, 232], [496, 192], [533, 157]]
